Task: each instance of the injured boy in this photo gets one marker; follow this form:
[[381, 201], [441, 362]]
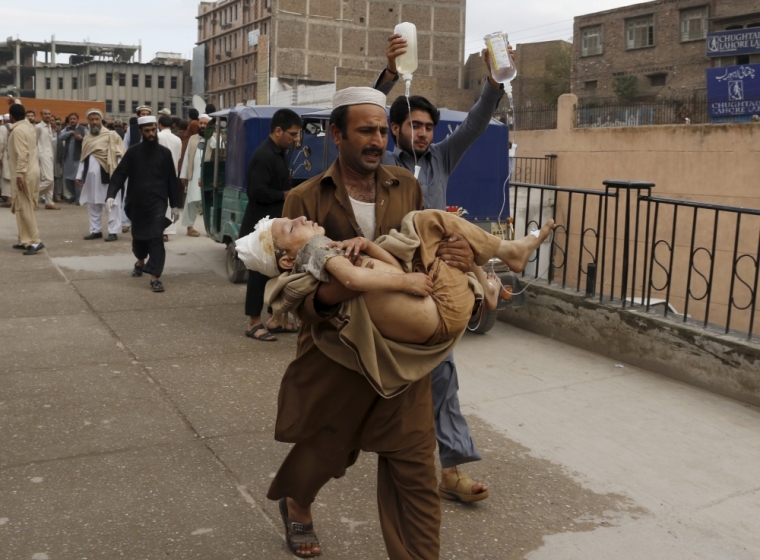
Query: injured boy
[[415, 304]]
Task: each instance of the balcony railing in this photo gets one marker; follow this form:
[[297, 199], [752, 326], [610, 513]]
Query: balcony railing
[[697, 263]]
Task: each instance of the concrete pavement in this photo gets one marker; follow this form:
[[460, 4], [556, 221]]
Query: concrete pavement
[[138, 425]]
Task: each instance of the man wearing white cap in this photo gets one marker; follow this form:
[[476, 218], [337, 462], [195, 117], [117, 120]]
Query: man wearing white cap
[[152, 182], [131, 138], [328, 411], [5, 171], [102, 150]]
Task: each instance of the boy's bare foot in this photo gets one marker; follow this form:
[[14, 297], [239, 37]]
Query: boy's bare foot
[[491, 291], [519, 252]]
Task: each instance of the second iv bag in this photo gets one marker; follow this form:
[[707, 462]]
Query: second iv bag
[[502, 66]]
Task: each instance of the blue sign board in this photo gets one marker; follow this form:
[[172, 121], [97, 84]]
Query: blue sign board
[[733, 90], [734, 42]]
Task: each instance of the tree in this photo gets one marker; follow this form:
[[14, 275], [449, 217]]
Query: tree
[[556, 78], [625, 88]]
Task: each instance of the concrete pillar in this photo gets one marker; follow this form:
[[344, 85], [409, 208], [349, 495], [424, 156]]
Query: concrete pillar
[[18, 66], [566, 111], [52, 50]]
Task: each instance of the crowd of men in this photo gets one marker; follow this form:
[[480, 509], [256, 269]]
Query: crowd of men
[[74, 161]]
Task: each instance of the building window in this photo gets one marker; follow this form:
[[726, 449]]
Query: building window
[[60, 82], [122, 79], [48, 83], [160, 105], [109, 78], [639, 33], [122, 106], [694, 24], [657, 80], [173, 107], [591, 41], [74, 82], [135, 80], [148, 80], [93, 80], [134, 106], [174, 82], [161, 82], [109, 106], [590, 85]]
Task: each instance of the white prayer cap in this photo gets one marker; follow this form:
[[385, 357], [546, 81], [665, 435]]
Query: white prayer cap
[[257, 249], [93, 111], [146, 120], [204, 116], [358, 96], [165, 112], [6, 117]]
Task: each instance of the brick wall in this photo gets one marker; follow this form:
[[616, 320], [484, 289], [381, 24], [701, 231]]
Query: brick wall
[[681, 64]]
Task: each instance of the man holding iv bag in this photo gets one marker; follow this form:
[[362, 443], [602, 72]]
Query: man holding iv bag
[[412, 122]]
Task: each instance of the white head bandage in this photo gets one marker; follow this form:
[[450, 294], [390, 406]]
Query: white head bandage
[[256, 250], [358, 96], [146, 120], [93, 112]]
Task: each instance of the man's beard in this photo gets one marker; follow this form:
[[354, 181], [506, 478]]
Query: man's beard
[[95, 129], [408, 147]]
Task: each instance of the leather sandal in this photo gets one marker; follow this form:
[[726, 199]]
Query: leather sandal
[[297, 534], [459, 488]]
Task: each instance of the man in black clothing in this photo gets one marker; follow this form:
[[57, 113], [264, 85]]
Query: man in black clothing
[[152, 181], [267, 185]]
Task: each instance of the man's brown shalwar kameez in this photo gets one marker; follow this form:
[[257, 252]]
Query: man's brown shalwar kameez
[[331, 413]]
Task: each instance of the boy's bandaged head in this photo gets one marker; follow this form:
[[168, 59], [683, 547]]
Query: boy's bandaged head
[[256, 250]]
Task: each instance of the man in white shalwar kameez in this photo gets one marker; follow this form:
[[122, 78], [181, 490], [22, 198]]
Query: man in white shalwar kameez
[[190, 175], [46, 155], [169, 140], [102, 150]]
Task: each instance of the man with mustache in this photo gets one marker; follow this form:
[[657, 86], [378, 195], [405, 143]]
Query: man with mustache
[[328, 411], [152, 182], [102, 150]]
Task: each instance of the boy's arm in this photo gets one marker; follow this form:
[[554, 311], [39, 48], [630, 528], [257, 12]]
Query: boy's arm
[[353, 247], [370, 280]]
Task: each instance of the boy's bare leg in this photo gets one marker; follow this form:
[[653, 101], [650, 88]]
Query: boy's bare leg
[[515, 254]]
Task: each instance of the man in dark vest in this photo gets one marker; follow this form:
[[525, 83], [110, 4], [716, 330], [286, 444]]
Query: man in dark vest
[[131, 138], [72, 137]]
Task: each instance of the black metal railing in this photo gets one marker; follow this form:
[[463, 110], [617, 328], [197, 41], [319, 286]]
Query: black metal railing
[[625, 246], [604, 112], [535, 117], [542, 170]]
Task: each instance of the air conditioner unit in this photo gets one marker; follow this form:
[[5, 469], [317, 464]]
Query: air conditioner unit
[[229, 53], [233, 81], [213, 21], [218, 57]]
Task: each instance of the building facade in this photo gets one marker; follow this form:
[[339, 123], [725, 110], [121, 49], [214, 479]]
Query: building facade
[[254, 48], [123, 86], [661, 44]]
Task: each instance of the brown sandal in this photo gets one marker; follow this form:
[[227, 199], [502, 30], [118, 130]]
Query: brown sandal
[[459, 488], [296, 533]]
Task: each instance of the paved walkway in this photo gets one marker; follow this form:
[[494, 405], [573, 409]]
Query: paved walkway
[[137, 425]]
